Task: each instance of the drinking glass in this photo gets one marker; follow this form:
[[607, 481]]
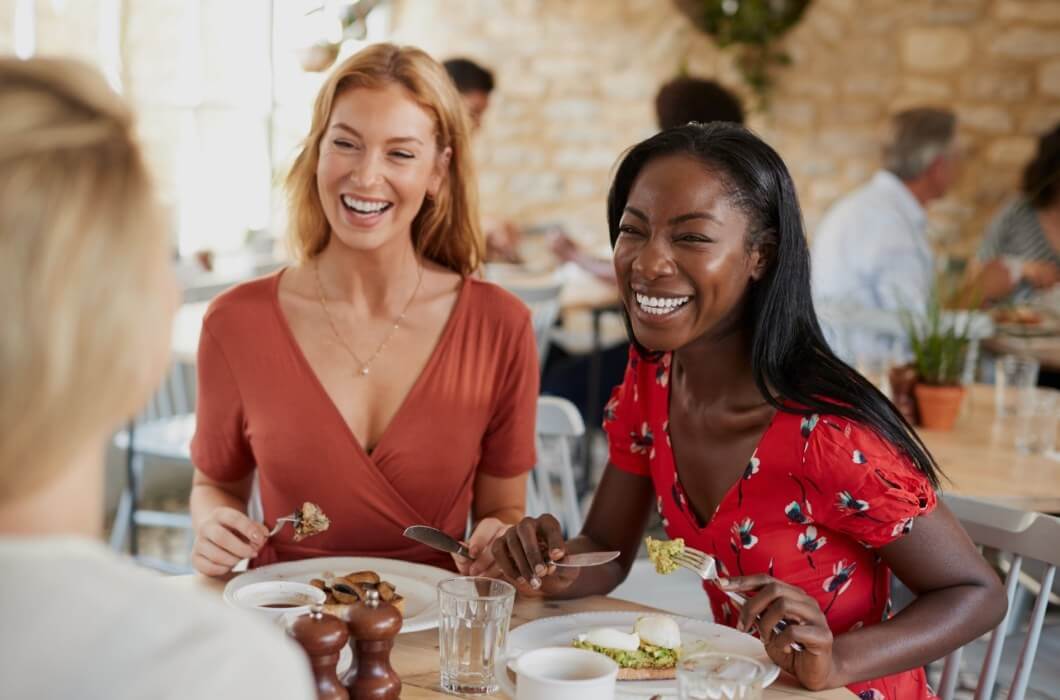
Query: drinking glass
[[1014, 378], [474, 613], [1036, 422], [720, 675]]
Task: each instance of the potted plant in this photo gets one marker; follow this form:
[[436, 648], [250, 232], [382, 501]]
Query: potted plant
[[939, 342]]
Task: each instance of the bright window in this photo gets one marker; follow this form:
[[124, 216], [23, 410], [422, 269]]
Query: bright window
[[221, 97]]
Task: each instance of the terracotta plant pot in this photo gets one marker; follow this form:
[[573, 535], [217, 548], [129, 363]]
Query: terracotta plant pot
[[938, 406]]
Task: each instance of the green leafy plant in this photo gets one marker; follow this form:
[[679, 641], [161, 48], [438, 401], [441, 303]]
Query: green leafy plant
[[753, 28], [939, 342]]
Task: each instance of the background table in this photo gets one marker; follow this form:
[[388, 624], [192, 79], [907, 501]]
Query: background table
[[1045, 349], [980, 459], [415, 655]]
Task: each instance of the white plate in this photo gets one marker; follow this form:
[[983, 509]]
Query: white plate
[[416, 583], [561, 631]]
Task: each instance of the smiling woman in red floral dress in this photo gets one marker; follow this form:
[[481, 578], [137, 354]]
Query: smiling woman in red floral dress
[[755, 444]]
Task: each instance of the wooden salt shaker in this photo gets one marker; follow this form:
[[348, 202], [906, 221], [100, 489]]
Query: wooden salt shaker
[[323, 637], [373, 626]]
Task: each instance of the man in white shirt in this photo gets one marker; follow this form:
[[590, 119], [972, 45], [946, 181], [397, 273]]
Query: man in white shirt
[[871, 254]]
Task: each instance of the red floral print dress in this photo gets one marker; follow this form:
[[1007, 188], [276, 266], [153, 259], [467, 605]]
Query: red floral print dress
[[818, 497]]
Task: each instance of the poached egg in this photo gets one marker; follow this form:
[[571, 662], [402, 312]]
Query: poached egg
[[610, 638], [658, 630]]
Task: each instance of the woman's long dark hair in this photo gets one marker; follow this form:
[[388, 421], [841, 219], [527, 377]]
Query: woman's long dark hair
[[1041, 177], [792, 364]]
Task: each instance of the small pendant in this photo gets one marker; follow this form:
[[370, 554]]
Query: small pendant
[[364, 371]]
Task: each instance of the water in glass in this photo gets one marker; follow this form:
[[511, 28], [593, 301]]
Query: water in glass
[[473, 632], [1014, 378], [717, 675], [1036, 422]]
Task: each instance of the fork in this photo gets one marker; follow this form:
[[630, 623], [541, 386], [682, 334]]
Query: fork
[[280, 523], [705, 567]]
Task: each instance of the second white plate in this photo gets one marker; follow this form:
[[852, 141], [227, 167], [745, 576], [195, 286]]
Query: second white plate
[[561, 631]]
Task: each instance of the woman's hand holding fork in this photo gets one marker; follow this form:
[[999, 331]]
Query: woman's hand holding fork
[[786, 616]]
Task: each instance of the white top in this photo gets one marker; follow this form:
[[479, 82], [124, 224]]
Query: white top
[[871, 252], [76, 621]]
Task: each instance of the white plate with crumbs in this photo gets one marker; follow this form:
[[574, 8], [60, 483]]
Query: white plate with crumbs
[[416, 583], [696, 635]]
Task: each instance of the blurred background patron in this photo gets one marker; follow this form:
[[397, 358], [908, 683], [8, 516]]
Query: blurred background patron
[[871, 251]]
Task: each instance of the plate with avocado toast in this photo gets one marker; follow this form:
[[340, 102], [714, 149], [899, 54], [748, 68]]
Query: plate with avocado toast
[[646, 646]]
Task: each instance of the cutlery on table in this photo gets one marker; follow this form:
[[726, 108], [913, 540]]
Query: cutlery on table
[[705, 567], [436, 539]]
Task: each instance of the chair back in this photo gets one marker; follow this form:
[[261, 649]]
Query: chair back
[[1023, 536], [551, 487], [544, 304], [175, 396]]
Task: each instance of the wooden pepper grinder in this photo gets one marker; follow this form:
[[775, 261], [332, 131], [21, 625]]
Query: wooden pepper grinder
[[373, 626], [323, 637]]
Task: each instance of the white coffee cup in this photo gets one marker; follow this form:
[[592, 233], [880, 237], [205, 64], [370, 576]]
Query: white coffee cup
[[562, 673]]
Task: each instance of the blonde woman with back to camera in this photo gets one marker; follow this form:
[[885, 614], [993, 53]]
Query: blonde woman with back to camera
[[377, 377], [90, 299]]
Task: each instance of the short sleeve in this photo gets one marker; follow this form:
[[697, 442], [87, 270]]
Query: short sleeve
[[219, 449], [866, 489], [508, 445], [624, 423]]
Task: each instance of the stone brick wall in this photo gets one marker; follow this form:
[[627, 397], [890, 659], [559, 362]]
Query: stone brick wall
[[577, 78], [576, 81]]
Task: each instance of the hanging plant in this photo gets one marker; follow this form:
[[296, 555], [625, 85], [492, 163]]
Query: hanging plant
[[753, 28], [352, 19]]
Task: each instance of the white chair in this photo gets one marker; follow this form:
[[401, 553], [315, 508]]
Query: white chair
[[1021, 536], [551, 487], [163, 431], [544, 304]]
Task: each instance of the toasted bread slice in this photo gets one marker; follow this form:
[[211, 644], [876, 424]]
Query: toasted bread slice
[[647, 674]]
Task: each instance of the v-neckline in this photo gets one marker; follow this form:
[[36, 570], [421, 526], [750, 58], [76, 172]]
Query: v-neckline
[[428, 368], [679, 486]]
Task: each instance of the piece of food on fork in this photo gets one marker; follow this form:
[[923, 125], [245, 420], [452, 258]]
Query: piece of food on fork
[[670, 555], [663, 554], [310, 520]]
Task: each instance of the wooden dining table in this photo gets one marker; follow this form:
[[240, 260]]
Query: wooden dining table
[[979, 458], [415, 654]]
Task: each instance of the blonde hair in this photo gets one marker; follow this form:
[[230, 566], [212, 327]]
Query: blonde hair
[[81, 249], [917, 137], [446, 229]]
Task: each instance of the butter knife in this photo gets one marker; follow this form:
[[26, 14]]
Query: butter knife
[[436, 539]]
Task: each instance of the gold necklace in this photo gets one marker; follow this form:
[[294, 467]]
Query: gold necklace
[[365, 365]]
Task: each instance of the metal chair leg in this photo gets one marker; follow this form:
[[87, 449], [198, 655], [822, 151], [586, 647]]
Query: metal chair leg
[[132, 486], [120, 530]]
